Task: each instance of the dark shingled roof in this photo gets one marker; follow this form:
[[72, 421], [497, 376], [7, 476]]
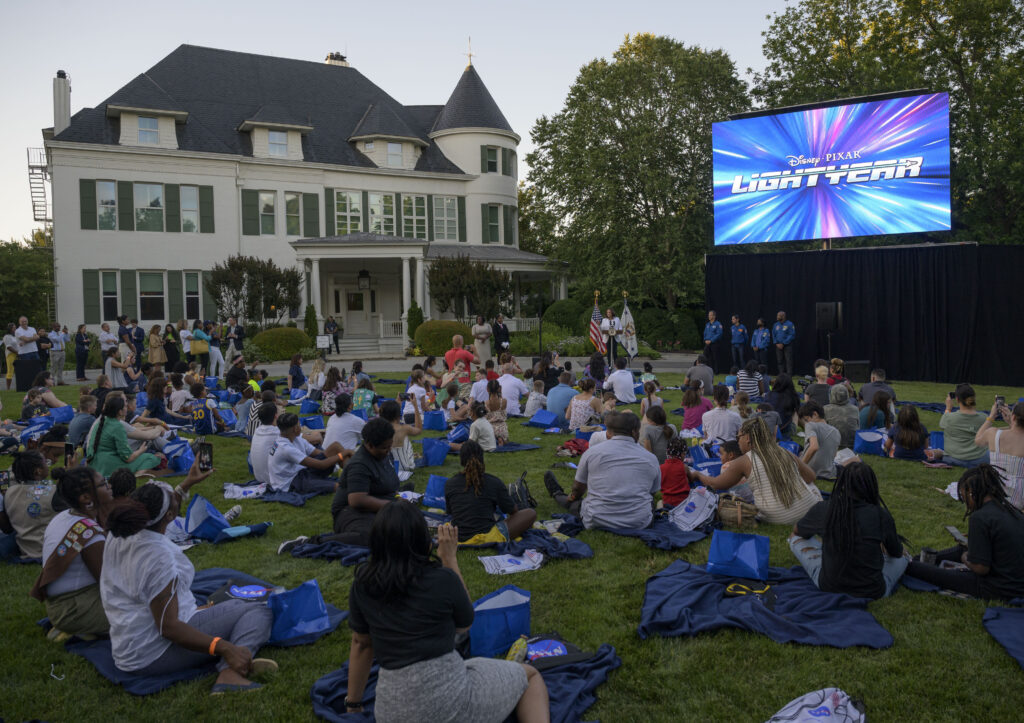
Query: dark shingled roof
[[484, 252], [220, 89], [381, 120], [471, 106]]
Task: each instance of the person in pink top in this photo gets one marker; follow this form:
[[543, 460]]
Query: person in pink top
[[695, 404]]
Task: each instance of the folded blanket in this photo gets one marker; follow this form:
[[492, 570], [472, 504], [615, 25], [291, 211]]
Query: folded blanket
[[571, 689], [542, 541], [1006, 625], [98, 652], [289, 498], [346, 554], [663, 534], [513, 447], [684, 599]]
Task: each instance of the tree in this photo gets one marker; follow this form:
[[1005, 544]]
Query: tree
[[974, 49], [254, 289], [458, 282], [309, 323], [26, 280], [537, 224], [413, 319]]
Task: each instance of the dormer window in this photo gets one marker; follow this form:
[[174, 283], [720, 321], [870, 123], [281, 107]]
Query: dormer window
[[149, 131], [394, 155], [278, 144]]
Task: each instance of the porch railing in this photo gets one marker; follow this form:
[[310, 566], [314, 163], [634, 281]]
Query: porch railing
[[392, 329], [520, 324]]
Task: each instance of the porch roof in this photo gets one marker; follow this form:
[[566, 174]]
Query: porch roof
[[372, 245]]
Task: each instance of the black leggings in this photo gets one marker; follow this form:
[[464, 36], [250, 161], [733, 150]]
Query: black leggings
[[964, 581]]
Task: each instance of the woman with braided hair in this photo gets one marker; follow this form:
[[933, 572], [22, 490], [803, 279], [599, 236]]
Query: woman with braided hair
[[995, 539], [106, 447], [473, 498], [783, 485], [849, 543]]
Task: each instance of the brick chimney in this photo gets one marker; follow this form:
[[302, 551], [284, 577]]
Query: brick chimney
[[61, 102]]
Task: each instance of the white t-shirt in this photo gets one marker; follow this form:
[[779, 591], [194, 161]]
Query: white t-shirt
[[479, 390], [512, 388], [10, 344], [27, 347], [186, 340], [77, 575], [720, 424], [108, 340], [178, 399], [135, 570], [263, 440], [316, 382], [621, 383], [286, 461], [481, 432], [421, 399], [346, 430], [597, 437]]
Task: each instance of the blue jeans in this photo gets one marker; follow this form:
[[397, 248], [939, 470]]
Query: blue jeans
[[808, 553], [29, 355], [968, 463]]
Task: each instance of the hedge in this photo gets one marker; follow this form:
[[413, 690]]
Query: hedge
[[281, 343], [565, 313], [435, 337]]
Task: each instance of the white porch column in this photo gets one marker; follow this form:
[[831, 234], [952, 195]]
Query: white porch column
[[419, 280], [519, 295], [426, 297], [406, 291], [563, 288], [314, 287]]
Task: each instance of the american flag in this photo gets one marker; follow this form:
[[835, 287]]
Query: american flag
[[595, 330]]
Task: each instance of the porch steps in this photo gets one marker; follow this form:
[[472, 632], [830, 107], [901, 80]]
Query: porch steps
[[367, 348]]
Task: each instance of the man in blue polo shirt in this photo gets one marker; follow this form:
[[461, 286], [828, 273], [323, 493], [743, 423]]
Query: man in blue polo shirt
[[560, 396], [712, 334], [739, 340], [783, 334]]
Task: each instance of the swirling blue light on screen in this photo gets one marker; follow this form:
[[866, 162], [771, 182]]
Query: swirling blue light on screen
[[875, 131]]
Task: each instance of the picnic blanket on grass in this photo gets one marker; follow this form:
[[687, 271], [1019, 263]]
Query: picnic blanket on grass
[[663, 534], [1006, 625], [571, 689], [684, 599], [206, 582]]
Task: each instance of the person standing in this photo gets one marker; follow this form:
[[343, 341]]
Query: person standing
[[611, 327], [11, 351], [739, 340], [59, 339], [482, 339], [712, 334], [783, 334], [760, 340], [26, 337], [170, 348], [138, 342], [43, 344], [81, 352], [108, 340], [330, 328], [216, 358], [235, 334], [502, 341]]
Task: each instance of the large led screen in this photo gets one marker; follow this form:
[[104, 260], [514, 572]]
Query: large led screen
[[864, 169]]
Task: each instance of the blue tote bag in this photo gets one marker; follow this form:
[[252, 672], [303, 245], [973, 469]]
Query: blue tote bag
[[308, 406], [870, 441], [434, 496], [212, 382], [460, 433], [312, 422], [499, 619], [543, 418], [229, 418], [180, 456], [203, 520], [62, 415], [434, 420], [434, 451], [737, 554], [298, 612]]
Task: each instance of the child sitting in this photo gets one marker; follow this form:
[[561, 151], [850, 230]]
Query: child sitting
[[741, 404], [609, 402], [363, 398], [34, 405], [648, 376], [243, 407], [537, 400], [489, 366], [82, 422], [727, 452], [651, 398], [732, 379], [675, 479]]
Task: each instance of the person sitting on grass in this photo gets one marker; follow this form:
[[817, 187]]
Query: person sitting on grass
[[405, 609], [1006, 448], [242, 408], [26, 507], [842, 415], [480, 431], [784, 401], [651, 398], [729, 452], [621, 382], [401, 445], [695, 404], [849, 544], [537, 399], [344, 427], [822, 441], [364, 399], [960, 430], [818, 390], [675, 478], [206, 417], [741, 405], [721, 423], [615, 481], [295, 465], [73, 556], [156, 407], [474, 499], [34, 406], [782, 484], [156, 627], [107, 448], [908, 438], [584, 407], [994, 566], [657, 432], [456, 409], [82, 422], [44, 383], [878, 414]]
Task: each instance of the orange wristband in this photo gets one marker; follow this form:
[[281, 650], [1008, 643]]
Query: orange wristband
[[213, 646], [341, 460]]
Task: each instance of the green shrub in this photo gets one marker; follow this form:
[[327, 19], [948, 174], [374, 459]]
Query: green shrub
[[281, 343], [309, 322], [413, 319], [435, 337], [564, 313]]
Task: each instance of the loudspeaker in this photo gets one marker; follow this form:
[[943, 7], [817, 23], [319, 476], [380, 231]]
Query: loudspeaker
[[828, 315], [25, 371], [858, 371]]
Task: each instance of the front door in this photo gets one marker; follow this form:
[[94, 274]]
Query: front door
[[357, 312]]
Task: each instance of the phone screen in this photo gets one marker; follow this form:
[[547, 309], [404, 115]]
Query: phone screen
[[1000, 400], [952, 395], [69, 453], [205, 456]]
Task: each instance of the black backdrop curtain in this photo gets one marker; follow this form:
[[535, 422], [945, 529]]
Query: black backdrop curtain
[[946, 313]]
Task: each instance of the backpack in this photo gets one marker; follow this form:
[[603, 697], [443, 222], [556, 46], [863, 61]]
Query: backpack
[[551, 650]]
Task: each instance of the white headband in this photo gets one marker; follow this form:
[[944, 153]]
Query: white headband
[[168, 493]]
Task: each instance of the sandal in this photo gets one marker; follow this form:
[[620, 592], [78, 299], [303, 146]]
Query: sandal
[[221, 688]]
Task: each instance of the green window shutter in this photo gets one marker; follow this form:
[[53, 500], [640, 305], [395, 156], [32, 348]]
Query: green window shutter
[[506, 162], [87, 202], [209, 305], [91, 295], [129, 294], [311, 215], [125, 206], [462, 219], [172, 198], [205, 210], [483, 159], [506, 212], [399, 231], [250, 213], [175, 296], [485, 230], [366, 211], [430, 218], [329, 212]]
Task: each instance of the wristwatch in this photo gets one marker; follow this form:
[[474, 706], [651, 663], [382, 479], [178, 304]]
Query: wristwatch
[[349, 704]]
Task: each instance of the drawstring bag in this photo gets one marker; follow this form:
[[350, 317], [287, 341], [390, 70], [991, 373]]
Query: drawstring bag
[[434, 451], [434, 420], [313, 422], [203, 520], [298, 612], [180, 456], [308, 406], [434, 496], [499, 619], [870, 441], [831, 704], [460, 433], [737, 554], [698, 507]]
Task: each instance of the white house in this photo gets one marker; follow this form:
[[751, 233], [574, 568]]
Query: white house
[[211, 153]]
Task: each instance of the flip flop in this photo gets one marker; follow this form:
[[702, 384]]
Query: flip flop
[[221, 688]]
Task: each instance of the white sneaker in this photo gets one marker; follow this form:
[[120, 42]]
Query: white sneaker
[[289, 545], [233, 513]]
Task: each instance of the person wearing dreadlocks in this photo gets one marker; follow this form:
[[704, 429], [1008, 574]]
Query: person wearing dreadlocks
[[995, 539], [473, 498], [849, 543]]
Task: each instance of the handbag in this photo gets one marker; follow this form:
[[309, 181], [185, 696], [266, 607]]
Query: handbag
[[738, 554], [434, 451], [499, 619], [199, 346], [434, 496], [735, 512], [298, 612], [434, 420]]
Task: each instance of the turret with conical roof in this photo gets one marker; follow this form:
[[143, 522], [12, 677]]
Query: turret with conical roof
[[471, 106]]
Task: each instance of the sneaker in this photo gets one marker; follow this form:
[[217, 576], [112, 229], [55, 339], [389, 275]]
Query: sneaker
[[263, 666], [233, 513], [554, 489], [289, 545]]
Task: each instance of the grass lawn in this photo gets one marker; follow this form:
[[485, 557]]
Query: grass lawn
[[943, 665]]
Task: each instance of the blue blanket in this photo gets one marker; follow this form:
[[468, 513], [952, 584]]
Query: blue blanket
[[289, 498], [233, 433], [206, 582], [571, 689], [346, 554], [663, 534], [938, 407], [684, 599], [391, 381], [513, 447], [1006, 625]]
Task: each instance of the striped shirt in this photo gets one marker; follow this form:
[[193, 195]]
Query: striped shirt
[[750, 384], [769, 506]]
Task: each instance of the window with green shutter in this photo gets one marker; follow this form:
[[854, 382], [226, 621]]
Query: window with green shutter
[[87, 204], [129, 300], [91, 296], [250, 212], [206, 209], [125, 206], [328, 212], [172, 201], [310, 215], [506, 162], [462, 219], [175, 305]]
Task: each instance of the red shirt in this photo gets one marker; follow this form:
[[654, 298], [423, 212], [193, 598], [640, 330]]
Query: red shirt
[[453, 355], [675, 485], [492, 375]]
